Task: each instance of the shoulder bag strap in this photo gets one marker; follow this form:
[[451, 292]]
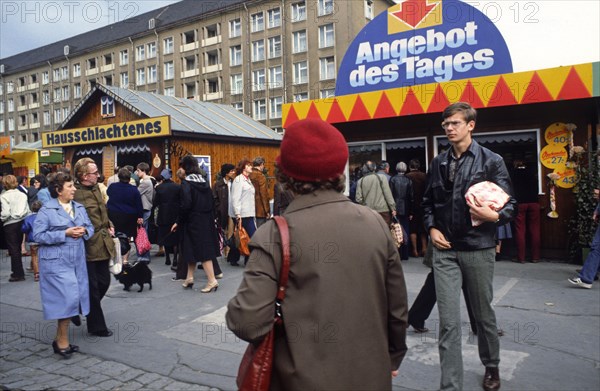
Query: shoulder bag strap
[[285, 264]]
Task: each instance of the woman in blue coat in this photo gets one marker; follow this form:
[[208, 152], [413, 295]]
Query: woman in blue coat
[[60, 228]]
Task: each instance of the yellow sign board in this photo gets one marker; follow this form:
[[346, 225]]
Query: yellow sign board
[[131, 130], [553, 156]]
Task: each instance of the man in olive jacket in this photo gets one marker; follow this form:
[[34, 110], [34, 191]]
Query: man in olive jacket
[[345, 310], [100, 247]]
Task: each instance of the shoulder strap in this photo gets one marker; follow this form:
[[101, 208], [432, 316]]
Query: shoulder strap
[[285, 250]]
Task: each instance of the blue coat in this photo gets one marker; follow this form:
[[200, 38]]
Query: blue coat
[[63, 272]]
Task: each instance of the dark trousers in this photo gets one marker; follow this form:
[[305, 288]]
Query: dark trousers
[[99, 280], [527, 223], [405, 223], [14, 238], [234, 254], [426, 299]]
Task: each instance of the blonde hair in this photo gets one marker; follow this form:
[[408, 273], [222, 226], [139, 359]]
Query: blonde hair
[[9, 182]]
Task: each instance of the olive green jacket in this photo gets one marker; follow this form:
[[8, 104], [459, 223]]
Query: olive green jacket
[[100, 247]]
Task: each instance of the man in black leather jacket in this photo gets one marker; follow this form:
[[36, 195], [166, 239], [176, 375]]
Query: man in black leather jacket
[[463, 251]]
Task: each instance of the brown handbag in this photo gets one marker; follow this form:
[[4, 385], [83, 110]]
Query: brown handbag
[[255, 369], [242, 239]]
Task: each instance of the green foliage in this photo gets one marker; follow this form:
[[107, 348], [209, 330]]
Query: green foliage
[[581, 225]]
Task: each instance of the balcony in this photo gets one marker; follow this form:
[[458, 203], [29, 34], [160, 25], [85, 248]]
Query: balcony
[[107, 68], [212, 68], [213, 96], [21, 89], [90, 72], [23, 127], [189, 46], [21, 108], [190, 73], [34, 125], [33, 86], [34, 105], [211, 41]]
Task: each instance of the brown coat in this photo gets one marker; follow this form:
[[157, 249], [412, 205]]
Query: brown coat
[[345, 313], [261, 195], [100, 247]]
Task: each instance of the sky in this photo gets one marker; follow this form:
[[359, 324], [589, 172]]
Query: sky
[[29, 24]]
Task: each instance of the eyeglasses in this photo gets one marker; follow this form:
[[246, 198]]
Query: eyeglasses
[[454, 124]]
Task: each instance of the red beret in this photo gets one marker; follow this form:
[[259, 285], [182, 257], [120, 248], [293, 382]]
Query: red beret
[[312, 150]]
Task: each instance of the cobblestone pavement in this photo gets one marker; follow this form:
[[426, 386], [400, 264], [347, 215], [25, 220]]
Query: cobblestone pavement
[[27, 364]]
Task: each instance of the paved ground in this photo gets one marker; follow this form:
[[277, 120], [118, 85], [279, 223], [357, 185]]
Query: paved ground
[[173, 339]]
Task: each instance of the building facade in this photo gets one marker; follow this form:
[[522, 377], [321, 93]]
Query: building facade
[[254, 55]]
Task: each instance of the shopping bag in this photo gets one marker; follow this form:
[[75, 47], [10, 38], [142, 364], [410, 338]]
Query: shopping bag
[[115, 264], [244, 239], [397, 232], [141, 241]]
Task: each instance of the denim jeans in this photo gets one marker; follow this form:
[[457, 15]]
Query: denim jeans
[[591, 266], [476, 269]]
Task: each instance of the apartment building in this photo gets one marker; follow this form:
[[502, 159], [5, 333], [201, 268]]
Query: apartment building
[[254, 55]]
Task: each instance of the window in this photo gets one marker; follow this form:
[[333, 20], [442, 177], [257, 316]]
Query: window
[[57, 95], [22, 120], [91, 63], [140, 78], [33, 78], [108, 59], [190, 63], [65, 112], [57, 116], [34, 97], [1, 109], [124, 76], [325, 7], [257, 22], [212, 31], [189, 37], [239, 106], [47, 120], [108, 80], [298, 11], [22, 81], [258, 80], [45, 77], [152, 74], [65, 93], [326, 38], [10, 87], [56, 74], [11, 105], [140, 53], [327, 93], [276, 77], [212, 86], [169, 91], [327, 68], [301, 72], [212, 58], [168, 45], [274, 18], [152, 50], [275, 106], [369, 9], [235, 28], [108, 106], [169, 70], [259, 110], [77, 70], [299, 41], [275, 47], [235, 55], [11, 124], [237, 84], [1, 90], [77, 91], [46, 97], [64, 73], [124, 57], [258, 50]]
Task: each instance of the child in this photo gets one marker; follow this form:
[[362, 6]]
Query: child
[[27, 229]]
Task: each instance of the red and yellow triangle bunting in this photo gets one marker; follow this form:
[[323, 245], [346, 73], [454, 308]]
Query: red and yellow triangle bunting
[[547, 85]]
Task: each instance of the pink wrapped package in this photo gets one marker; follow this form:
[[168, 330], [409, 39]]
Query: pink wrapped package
[[486, 193]]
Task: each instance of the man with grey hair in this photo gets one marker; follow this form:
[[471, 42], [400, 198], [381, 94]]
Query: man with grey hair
[[383, 169], [261, 194], [402, 192]]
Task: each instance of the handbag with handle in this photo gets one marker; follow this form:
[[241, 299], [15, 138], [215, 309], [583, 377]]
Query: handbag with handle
[[397, 232], [255, 369], [141, 241], [244, 239]]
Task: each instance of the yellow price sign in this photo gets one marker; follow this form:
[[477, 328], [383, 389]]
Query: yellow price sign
[[553, 156], [568, 178], [557, 134]]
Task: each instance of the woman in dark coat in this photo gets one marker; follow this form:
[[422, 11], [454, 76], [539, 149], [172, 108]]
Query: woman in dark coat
[[196, 225], [166, 200], [124, 206]]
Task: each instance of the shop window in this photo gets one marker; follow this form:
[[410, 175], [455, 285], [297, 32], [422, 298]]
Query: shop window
[[108, 106]]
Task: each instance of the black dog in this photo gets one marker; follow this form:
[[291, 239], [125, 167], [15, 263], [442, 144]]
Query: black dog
[[138, 273]]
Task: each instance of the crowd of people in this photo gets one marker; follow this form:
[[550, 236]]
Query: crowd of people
[[354, 282]]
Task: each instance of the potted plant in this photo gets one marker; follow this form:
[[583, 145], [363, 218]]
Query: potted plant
[[581, 225]]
